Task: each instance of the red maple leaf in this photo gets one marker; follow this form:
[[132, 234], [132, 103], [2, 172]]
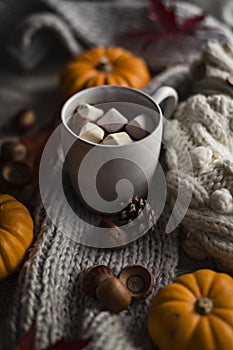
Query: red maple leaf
[[27, 342], [167, 23]]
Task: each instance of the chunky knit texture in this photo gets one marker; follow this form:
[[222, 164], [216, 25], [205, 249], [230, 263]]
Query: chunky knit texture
[[50, 296], [48, 290], [204, 127]]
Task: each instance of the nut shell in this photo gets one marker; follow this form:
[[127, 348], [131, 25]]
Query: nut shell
[[25, 119], [13, 150], [16, 173], [112, 294], [138, 280], [94, 276]]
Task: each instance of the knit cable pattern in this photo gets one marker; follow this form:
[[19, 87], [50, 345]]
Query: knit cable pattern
[[204, 127]]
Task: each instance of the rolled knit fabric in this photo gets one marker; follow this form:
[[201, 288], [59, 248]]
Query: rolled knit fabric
[[204, 125], [50, 295], [210, 73]]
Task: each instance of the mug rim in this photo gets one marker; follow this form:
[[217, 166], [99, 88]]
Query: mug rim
[[73, 97]]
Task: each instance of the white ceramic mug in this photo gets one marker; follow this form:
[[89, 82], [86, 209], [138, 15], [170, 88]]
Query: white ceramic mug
[[105, 176]]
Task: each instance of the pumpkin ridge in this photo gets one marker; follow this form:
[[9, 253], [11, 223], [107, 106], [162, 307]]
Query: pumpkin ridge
[[131, 70], [179, 288], [16, 235], [6, 201], [68, 79], [211, 283], [218, 283], [15, 205], [3, 269], [6, 233], [5, 205], [6, 261], [221, 319], [213, 328], [90, 82], [80, 85], [6, 197], [191, 331], [171, 303], [130, 79], [24, 224], [213, 332], [119, 80], [186, 284], [202, 326]]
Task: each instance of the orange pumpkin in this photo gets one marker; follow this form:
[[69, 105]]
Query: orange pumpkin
[[16, 234], [195, 312], [104, 66]]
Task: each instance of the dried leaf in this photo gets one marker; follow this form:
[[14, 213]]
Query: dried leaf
[[167, 24], [163, 15], [27, 342]]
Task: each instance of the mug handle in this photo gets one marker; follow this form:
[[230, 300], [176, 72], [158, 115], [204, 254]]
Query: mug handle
[[167, 98]]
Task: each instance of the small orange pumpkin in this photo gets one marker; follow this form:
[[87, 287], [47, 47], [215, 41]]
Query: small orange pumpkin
[[104, 66], [16, 234], [195, 312]]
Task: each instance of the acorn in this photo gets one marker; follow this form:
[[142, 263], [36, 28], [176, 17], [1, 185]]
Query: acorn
[[138, 280], [13, 150], [112, 294], [25, 120], [100, 283], [16, 173], [94, 276]]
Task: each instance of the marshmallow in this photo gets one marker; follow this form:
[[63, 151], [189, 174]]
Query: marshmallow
[[91, 132], [140, 127], [77, 121], [89, 112], [112, 121], [120, 138]]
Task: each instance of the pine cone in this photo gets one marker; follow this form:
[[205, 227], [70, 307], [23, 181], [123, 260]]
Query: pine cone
[[139, 208]]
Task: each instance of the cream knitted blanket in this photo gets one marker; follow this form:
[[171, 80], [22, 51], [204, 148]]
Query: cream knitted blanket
[[204, 125]]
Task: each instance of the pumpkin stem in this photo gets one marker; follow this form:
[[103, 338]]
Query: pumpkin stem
[[104, 65], [204, 306]]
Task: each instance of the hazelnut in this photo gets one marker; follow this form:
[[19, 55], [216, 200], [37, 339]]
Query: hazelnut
[[138, 279], [13, 150], [16, 173], [25, 119], [112, 294], [93, 277]]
